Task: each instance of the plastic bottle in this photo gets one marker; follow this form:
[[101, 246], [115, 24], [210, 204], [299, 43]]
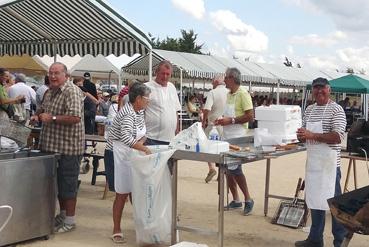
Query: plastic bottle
[[197, 146], [213, 134], [108, 124]]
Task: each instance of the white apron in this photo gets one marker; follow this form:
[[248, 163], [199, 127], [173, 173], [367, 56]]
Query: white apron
[[232, 130], [321, 166], [122, 165]]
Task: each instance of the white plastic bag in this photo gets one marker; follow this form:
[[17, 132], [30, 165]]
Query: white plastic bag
[[152, 196], [188, 138]]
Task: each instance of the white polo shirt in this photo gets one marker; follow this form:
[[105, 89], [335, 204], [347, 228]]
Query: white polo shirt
[[161, 112], [20, 88]]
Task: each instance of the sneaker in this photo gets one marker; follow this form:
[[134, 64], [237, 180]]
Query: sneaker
[[210, 175], [59, 219], [233, 205], [308, 243], [249, 204], [64, 227]]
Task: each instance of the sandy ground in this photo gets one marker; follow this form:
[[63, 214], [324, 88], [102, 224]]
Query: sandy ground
[[198, 207]]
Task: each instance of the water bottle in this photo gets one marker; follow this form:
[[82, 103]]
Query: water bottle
[[213, 134], [108, 123]]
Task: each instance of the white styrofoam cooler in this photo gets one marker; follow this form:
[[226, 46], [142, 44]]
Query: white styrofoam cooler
[[280, 127], [278, 112]]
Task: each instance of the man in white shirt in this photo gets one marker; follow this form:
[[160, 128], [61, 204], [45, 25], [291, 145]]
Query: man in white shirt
[[161, 114], [20, 88], [41, 91], [213, 109]]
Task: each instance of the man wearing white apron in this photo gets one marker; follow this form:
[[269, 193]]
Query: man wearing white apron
[[323, 128], [238, 112]]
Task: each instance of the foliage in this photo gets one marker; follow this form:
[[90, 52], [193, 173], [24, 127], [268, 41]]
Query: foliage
[[187, 43], [349, 70]]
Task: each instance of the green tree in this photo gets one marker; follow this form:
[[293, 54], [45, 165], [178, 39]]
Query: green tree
[[349, 70], [287, 63], [187, 43]]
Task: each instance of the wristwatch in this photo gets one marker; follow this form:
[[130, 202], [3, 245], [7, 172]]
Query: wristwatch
[[54, 119], [233, 120]]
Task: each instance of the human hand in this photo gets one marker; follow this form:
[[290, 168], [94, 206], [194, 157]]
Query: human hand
[[223, 121], [34, 120], [20, 99], [304, 134], [147, 151], [45, 117]]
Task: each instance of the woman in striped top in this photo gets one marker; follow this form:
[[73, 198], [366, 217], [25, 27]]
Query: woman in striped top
[[127, 132]]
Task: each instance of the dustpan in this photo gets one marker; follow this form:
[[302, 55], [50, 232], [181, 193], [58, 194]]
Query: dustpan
[[292, 212]]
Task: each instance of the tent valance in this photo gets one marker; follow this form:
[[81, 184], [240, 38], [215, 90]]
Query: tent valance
[[68, 27]]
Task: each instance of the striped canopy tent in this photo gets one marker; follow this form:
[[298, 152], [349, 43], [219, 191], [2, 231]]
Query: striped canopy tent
[[69, 27]]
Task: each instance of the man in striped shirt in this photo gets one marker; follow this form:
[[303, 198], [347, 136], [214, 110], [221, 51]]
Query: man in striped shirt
[[62, 132], [323, 129]]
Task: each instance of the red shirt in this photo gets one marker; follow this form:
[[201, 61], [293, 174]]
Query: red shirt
[[123, 92]]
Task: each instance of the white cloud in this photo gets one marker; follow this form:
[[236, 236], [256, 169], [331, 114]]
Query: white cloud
[[355, 58], [290, 49], [241, 36], [195, 8], [316, 40]]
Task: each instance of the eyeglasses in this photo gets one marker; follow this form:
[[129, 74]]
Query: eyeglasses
[[58, 73]]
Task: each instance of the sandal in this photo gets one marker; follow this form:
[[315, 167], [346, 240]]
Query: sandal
[[118, 238]]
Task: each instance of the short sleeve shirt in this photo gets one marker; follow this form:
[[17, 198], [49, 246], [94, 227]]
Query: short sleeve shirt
[[242, 102], [161, 112], [61, 138]]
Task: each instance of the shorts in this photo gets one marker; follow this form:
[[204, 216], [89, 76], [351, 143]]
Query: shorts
[[109, 168], [236, 172], [67, 176]]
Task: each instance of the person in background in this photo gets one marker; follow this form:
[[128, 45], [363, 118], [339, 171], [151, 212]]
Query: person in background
[[237, 113], [355, 107], [213, 109], [108, 153], [90, 106], [323, 129], [161, 114], [41, 92], [124, 91], [104, 104], [62, 132], [20, 88], [126, 133], [5, 101], [192, 109]]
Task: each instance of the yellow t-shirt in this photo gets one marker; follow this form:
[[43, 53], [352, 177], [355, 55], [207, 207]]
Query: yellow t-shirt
[[242, 102]]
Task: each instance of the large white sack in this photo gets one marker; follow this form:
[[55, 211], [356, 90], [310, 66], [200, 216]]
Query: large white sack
[[152, 197]]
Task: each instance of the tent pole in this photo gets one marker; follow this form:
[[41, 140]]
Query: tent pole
[[150, 65], [278, 91], [181, 99]]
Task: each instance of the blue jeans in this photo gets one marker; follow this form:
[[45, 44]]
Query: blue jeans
[[318, 220]]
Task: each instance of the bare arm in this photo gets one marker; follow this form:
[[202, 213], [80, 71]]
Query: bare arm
[[246, 117], [329, 138], [205, 113], [60, 119]]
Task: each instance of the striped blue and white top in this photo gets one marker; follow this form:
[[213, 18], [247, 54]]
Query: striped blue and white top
[[125, 126], [334, 120]]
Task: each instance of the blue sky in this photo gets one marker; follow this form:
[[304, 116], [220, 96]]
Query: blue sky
[[327, 34]]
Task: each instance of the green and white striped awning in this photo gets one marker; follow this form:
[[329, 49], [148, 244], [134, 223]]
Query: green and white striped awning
[[67, 27]]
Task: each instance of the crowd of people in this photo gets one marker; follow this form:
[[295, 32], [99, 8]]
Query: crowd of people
[[145, 114]]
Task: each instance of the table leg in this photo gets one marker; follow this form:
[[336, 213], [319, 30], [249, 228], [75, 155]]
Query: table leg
[[266, 195], [222, 170], [347, 176], [355, 174], [174, 202]]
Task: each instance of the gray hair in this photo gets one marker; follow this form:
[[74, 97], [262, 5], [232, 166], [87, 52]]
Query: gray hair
[[137, 89], [62, 64], [235, 74], [164, 63], [20, 78], [219, 79]]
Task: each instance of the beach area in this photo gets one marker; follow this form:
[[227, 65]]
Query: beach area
[[197, 206]]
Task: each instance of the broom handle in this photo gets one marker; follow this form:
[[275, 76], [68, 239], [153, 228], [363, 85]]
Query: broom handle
[[298, 187]]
